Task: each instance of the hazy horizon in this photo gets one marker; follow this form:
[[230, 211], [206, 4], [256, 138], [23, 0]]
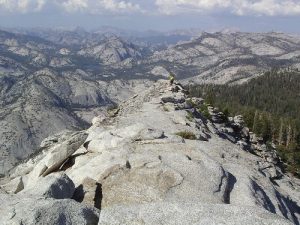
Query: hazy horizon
[[160, 15]]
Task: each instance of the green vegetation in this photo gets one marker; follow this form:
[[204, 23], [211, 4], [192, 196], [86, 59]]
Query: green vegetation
[[193, 104], [113, 110], [203, 109], [270, 105], [190, 116], [165, 108], [187, 135]]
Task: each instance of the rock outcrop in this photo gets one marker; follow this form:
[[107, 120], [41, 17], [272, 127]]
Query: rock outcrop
[[158, 159], [58, 186], [58, 154], [48, 202]]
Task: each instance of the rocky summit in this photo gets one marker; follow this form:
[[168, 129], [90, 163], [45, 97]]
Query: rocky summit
[[156, 159]]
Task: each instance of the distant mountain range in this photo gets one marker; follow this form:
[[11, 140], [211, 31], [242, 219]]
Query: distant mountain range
[[59, 79], [230, 57]]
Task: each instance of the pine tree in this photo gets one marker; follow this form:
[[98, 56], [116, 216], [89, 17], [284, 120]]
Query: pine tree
[[281, 133], [289, 135], [255, 121]]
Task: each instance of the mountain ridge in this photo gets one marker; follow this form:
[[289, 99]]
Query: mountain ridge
[[111, 70], [156, 155]]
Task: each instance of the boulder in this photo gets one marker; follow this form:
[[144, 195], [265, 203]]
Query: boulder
[[150, 134], [38, 211], [181, 106], [173, 98], [14, 186], [46, 203], [58, 154], [98, 120], [160, 71], [238, 119], [242, 144], [253, 138], [57, 185], [245, 132], [197, 101], [227, 130]]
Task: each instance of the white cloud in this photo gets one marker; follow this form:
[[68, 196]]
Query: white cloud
[[167, 7], [116, 6], [268, 7], [99, 6], [21, 5], [40, 4], [238, 7], [186, 6], [88, 6], [74, 5]]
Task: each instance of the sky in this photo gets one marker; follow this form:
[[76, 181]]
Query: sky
[[208, 15]]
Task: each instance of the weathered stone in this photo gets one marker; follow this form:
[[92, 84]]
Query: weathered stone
[[242, 144], [245, 132], [14, 186], [55, 158], [253, 138], [150, 134], [89, 192], [173, 98], [188, 214], [138, 185], [239, 120], [97, 121], [39, 211], [57, 185], [197, 101], [181, 106]]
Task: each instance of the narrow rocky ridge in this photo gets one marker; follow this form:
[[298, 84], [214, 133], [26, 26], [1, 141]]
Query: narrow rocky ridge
[[155, 160]]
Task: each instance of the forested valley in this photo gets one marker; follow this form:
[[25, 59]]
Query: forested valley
[[270, 105]]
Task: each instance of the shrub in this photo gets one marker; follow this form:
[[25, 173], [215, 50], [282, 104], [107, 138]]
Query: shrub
[[193, 104], [204, 111], [165, 108], [113, 110], [190, 116], [187, 135]]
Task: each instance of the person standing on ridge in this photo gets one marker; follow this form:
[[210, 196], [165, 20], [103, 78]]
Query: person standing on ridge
[[171, 78]]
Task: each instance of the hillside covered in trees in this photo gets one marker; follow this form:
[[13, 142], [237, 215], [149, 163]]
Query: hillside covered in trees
[[270, 105]]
